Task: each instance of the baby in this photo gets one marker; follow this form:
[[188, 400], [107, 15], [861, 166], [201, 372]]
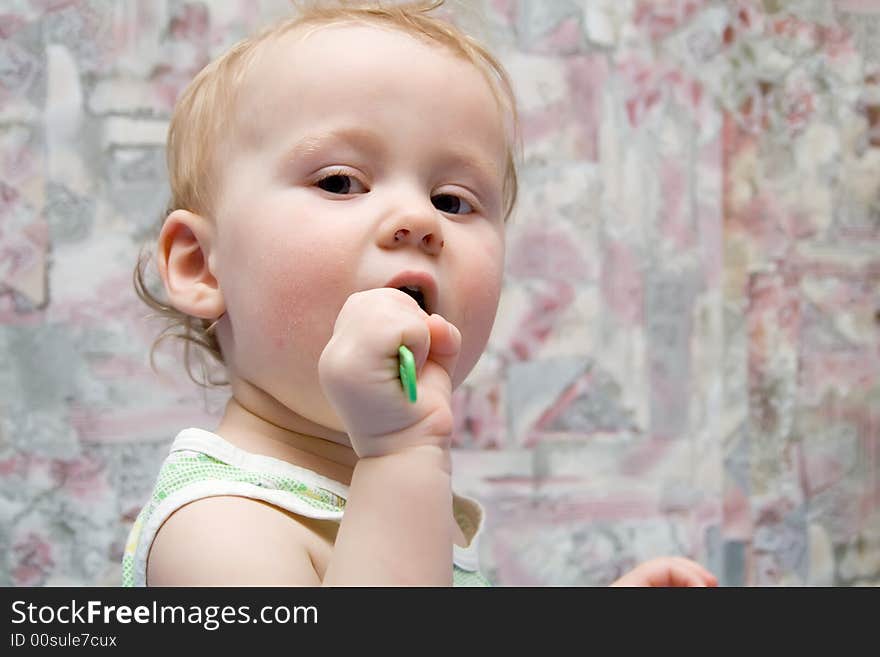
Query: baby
[[340, 187]]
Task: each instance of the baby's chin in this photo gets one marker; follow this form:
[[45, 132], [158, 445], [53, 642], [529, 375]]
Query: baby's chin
[[321, 421], [311, 416]]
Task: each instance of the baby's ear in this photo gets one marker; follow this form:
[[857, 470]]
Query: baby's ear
[[184, 257]]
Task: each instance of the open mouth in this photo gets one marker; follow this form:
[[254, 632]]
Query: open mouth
[[417, 294], [420, 285]]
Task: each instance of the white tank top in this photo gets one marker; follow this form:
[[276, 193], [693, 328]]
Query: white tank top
[[202, 464]]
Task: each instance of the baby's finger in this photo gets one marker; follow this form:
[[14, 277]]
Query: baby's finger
[[682, 576], [445, 343], [702, 574], [668, 571], [414, 332]]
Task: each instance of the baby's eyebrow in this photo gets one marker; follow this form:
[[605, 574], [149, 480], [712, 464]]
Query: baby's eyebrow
[[360, 138], [474, 164]]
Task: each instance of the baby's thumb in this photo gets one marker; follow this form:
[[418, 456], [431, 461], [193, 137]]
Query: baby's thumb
[[445, 343]]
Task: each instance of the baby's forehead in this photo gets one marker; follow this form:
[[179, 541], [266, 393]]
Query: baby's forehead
[[307, 45], [300, 65], [311, 45]]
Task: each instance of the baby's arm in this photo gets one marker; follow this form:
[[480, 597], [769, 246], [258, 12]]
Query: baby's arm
[[397, 529], [231, 541], [398, 523]]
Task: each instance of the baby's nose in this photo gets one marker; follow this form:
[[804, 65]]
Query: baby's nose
[[414, 224], [428, 241]]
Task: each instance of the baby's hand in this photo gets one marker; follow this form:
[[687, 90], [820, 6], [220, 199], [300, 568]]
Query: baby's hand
[[668, 571], [358, 370]]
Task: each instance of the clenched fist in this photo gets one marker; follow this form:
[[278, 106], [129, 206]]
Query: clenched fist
[[358, 370]]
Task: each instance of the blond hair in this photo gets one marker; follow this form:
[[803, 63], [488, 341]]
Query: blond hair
[[202, 114]]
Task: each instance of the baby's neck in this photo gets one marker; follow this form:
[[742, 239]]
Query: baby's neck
[[249, 431]]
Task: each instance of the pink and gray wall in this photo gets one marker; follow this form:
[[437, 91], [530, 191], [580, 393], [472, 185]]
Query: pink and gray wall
[[687, 355]]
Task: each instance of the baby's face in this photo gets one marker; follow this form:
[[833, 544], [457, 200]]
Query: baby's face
[[345, 138]]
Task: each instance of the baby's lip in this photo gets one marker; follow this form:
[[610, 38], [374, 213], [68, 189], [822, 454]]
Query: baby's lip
[[422, 280]]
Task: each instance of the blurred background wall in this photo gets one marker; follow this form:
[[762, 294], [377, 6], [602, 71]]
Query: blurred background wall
[[687, 355]]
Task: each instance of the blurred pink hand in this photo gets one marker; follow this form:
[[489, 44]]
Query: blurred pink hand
[[668, 571]]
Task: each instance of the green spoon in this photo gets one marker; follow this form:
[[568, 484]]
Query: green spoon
[[408, 372]]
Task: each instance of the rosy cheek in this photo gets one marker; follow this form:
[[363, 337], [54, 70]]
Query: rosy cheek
[[476, 324], [283, 304], [306, 282], [294, 305]]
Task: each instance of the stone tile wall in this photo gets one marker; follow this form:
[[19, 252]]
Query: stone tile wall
[[687, 355]]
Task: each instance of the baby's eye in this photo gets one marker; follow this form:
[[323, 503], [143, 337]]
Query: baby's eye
[[451, 204], [339, 183]]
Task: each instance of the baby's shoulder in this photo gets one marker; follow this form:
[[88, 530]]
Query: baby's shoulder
[[234, 541]]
